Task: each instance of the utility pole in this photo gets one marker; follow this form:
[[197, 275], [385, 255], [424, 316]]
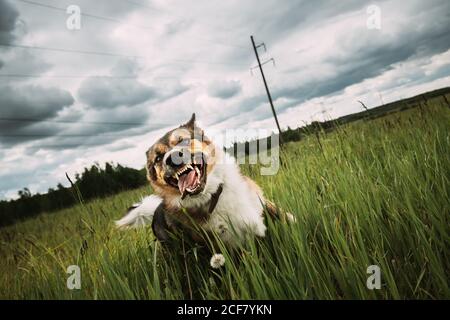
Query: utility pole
[[381, 98], [255, 47]]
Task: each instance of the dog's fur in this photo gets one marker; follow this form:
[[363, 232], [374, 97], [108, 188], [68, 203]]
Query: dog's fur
[[226, 203]]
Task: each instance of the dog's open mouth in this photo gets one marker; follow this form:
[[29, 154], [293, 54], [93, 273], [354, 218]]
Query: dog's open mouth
[[190, 178]]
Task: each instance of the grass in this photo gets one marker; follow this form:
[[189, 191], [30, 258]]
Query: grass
[[376, 193]]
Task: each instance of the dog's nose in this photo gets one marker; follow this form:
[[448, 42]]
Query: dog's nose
[[178, 157]]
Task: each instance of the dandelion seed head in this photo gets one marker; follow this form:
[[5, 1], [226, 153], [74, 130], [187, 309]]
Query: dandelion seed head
[[217, 260]]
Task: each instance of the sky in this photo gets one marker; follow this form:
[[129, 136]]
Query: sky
[[72, 97]]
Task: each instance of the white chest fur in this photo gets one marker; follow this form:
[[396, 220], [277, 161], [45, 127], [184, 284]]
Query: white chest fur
[[239, 210]]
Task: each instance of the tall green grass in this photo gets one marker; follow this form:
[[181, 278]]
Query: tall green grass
[[377, 192]]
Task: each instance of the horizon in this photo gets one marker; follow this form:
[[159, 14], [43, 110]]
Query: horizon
[[227, 147], [62, 89]]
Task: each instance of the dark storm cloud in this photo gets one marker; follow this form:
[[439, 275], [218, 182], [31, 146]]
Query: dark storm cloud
[[32, 101], [106, 121], [247, 104], [99, 136], [124, 90], [121, 146], [111, 93], [16, 61], [296, 15], [369, 54], [29, 103], [428, 35], [8, 20], [98, 128], [224, 89], [20, 133]]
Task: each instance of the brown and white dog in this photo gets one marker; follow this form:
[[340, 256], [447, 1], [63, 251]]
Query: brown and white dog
[[196, 182]]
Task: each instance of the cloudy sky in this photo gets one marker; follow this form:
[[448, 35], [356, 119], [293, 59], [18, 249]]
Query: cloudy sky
[[69, 98]]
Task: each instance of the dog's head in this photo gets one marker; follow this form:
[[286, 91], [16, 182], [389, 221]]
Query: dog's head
[[178, 164]]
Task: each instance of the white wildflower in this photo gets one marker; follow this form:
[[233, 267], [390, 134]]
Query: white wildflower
[[217, 260]]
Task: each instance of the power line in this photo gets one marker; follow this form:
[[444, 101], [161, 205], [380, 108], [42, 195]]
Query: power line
[[57, 146], [51, 76], [61, 135], [117, 21], [62, 76], [160, 125], [72, 121], [111, 54], [89, 15], [22, 46]]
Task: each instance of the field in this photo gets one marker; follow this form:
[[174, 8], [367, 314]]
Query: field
[[371, 193]]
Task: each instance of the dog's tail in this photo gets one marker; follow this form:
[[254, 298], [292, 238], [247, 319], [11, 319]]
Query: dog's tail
[[140, 214]]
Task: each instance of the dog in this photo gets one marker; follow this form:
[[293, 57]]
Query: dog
[[195, 184]]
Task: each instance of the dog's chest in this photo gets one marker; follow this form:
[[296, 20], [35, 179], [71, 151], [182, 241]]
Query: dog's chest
[[198, 215], [238, 211], [215, 219]]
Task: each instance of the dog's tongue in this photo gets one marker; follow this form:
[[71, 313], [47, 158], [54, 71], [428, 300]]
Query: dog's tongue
[[187, 181]]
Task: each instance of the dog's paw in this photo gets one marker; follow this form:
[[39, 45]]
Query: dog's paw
[[290, 218]]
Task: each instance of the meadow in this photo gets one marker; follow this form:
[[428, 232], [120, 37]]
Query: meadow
[[372, 192]]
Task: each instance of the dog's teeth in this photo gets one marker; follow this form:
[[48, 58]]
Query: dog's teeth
[[185, 168], [176, 176], [180, 171]]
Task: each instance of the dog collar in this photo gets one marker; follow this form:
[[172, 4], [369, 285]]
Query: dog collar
[[215, 198]]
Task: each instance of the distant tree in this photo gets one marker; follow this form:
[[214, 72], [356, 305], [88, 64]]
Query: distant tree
[[24, 193]]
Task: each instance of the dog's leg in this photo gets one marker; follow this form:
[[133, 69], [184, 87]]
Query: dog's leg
[[141, 213], [159, 224], [276, 213]]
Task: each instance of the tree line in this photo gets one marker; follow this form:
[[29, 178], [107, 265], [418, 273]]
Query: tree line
[[93, 182]]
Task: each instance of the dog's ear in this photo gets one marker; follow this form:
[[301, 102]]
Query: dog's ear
[[191, 123]]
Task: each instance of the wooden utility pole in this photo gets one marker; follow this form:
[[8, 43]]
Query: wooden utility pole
[[255, 48]]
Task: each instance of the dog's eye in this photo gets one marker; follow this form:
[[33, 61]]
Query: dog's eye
[[183, 141], [158, 158]]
